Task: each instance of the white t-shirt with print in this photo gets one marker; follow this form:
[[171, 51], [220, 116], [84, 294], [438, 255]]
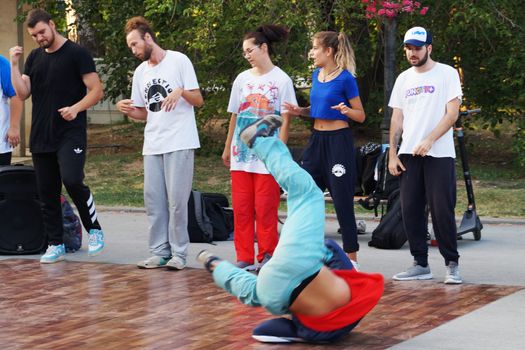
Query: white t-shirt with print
[[166, 131], [423, 97], [252, 97]]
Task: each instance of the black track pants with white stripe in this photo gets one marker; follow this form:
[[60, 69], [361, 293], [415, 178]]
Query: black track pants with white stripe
[[64, 166]]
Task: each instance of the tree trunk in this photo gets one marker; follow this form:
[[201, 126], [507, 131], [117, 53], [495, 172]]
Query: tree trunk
[[390, 28]]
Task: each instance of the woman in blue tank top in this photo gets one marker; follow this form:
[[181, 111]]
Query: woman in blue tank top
[[330, 155]]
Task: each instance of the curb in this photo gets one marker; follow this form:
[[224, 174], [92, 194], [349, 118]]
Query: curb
[[331, 217]]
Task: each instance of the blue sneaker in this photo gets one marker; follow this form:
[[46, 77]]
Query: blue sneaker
[[277, 330], [54, 253], [96, 241]]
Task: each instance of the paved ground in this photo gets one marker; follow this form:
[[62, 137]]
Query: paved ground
[[496, 259]]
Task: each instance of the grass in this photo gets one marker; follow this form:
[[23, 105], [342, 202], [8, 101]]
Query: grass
[[115, 175]]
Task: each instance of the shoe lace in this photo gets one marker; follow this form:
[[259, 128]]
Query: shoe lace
[[52, 249], [452, 270]]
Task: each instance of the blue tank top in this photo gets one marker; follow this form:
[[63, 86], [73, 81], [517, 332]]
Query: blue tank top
[[325, 95]]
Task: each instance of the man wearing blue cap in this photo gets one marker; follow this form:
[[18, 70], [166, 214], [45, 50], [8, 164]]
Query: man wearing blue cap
[[425, 102]]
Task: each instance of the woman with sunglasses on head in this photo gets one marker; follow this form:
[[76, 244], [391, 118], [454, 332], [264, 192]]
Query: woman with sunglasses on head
[[334, 102], [256, 92]]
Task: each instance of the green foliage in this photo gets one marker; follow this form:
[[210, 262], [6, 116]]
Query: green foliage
[[485, 38]]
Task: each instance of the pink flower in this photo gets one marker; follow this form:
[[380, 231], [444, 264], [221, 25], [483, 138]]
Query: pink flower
[[417, 4], [371, 9], [365, 1], [388, 5], [407, 2], [390, 13], [408, 9], [381, 12], [423, 11]]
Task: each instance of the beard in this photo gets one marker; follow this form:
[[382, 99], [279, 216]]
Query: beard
[[147, 53], [421, 62], [45, 44]]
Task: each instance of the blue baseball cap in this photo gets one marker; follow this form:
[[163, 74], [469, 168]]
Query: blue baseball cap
[[417, 36]]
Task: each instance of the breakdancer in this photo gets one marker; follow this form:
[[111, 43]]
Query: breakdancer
[[309, 278]]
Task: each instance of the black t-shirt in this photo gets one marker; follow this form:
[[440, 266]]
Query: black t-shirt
[[56, 82]]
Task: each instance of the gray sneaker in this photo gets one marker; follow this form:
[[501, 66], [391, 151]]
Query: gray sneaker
[[453, 276], [176, 263], [266, 258], [153, 262], [264, 127], [246, 266], [415, 272]]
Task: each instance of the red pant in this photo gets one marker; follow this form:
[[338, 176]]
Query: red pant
[[255, 198]]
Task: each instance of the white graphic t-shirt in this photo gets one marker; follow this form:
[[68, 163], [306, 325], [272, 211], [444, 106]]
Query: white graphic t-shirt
[[423, 97], [253, 97], [166, 131]]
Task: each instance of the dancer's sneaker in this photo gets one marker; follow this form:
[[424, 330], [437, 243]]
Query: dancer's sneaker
[[206, 258], [415, 272], [453, 276], [264, 127], [176, 263], [153, 262], [95, 242], [53, 254], [277, 330]]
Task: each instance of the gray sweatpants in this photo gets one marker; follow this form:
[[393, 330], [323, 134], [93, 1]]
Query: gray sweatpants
[[167, 185]]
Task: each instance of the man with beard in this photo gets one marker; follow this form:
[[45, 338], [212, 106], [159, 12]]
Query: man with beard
[[164, 92], [57, 75], [425, 102]]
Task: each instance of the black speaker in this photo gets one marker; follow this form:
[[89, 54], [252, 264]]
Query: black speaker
[[21, 223]]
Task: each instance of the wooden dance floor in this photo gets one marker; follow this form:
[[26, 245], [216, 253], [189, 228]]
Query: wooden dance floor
[[74, 305]]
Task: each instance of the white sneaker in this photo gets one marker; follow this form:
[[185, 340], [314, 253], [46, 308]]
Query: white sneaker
[[176, 263], [452, 276], [53, 254]]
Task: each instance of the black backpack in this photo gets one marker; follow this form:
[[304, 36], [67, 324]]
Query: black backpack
[[366, 158], [220, 215], [386, 184], [209, 218], [390, 233], [200, 228], [72, 228]]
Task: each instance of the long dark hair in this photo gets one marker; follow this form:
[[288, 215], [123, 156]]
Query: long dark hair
[[268, 34]]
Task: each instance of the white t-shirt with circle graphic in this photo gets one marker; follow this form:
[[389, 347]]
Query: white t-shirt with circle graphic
[[171, 131], [423, 98], [252, 97]]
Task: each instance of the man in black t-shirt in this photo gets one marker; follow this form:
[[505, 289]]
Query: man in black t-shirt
[[57, 75]]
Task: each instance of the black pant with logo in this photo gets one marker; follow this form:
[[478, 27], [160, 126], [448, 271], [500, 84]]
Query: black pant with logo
[[429, 180], [66, 166], [330, 159]]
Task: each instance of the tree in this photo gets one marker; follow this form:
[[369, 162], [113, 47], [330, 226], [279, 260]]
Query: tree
[[484, 37]]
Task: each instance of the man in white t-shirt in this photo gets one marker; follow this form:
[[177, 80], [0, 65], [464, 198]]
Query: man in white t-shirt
[[164, 92], [10, 114], [425, 102]]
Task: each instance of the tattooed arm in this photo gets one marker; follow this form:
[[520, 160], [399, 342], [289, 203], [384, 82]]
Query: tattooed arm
[[395, 167]]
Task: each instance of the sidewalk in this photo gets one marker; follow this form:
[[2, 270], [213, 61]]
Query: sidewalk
[[497, 259]]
